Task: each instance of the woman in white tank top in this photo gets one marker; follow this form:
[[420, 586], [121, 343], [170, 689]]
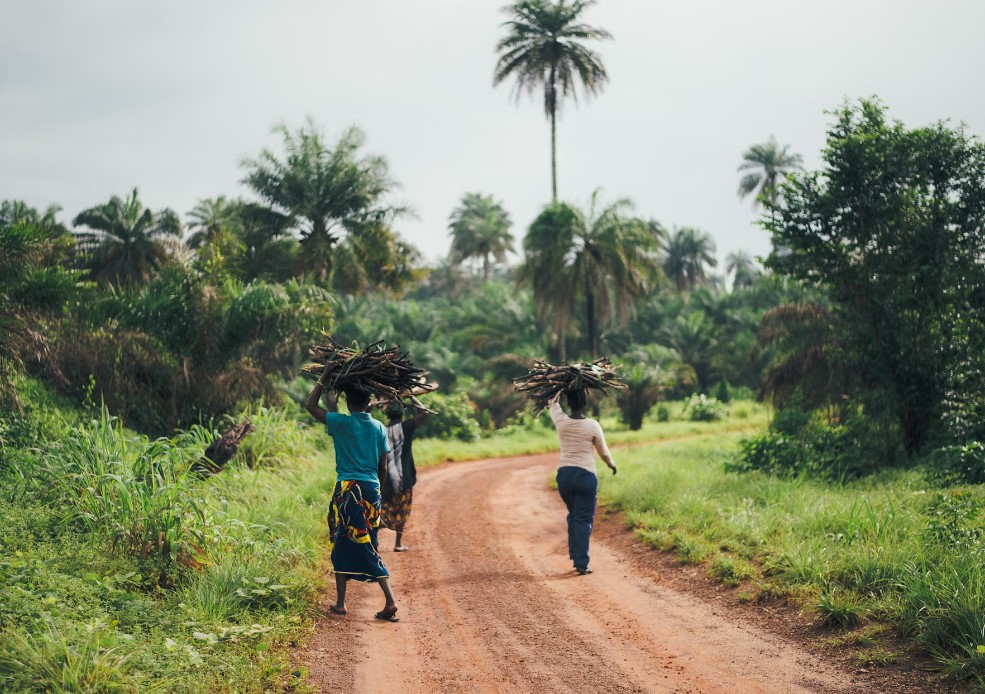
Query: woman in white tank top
[[577, 482]]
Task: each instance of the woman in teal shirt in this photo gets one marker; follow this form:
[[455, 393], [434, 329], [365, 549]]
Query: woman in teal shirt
[[354, 515]]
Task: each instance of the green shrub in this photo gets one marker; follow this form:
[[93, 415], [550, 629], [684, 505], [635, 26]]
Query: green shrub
[[800, 442], [455, 418], [663, 413], [958, 464], [705, 409]]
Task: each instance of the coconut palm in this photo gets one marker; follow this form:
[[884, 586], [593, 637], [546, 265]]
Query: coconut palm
[[603, 256], [480, 229], [210, 217], [743, 268], [17, 211], [126, 242], [328, 191], [687, 256], [543, 49], [766, 164]]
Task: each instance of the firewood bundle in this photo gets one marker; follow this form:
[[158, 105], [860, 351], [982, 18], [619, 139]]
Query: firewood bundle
[[544, 381], [384, 372]]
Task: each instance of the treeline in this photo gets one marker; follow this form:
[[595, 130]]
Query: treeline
[[865, 327], [171, 323]]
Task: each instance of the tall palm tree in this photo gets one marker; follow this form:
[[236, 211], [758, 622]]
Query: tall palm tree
[[480, 229], [210, 216], [766, 164], [126, 241], [328, 191], [687, 256], [743, 269], [543, 49], [603, 256]]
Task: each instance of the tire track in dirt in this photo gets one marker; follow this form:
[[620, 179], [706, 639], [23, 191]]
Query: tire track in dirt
[[489, 603]]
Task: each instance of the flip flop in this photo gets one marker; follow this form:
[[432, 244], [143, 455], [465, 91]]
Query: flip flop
[[387, 617], [400, 549], [337, 610]]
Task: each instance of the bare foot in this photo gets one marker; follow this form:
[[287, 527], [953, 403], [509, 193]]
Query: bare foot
[[338, 610]]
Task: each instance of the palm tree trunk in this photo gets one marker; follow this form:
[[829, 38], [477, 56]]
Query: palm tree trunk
[[552, 106], [593, 340], [485, 268], [553, 155]]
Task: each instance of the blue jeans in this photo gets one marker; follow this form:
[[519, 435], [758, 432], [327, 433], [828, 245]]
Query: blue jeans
[[579, 490]]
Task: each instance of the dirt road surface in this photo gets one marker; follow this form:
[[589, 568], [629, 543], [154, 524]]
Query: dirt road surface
[[489, 603]]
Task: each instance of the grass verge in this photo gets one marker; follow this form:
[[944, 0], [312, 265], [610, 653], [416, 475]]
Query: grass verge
[[888, 549], [119, 571]]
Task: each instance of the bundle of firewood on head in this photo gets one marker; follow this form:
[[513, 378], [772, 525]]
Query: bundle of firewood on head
[[544, 381], [385, 373]]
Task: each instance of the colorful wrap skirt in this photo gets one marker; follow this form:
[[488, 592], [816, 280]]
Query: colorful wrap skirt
[[396, 510], [353, 520]]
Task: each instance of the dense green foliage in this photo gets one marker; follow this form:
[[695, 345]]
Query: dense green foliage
[[34, 285], [603, 257], [889, 233]]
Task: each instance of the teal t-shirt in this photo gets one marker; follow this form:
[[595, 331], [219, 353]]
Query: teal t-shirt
[[359, 442]]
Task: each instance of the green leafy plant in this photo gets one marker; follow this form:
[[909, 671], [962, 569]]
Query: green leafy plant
[[701, 408]]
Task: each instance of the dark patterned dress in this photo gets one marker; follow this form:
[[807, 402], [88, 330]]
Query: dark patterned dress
[[397, 507]]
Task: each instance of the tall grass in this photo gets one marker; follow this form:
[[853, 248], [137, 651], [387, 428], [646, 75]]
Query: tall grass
[[119, 570], [135, 493], [887, 548]]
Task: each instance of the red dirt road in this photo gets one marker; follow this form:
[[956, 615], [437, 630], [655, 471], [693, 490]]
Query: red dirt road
[[489, 603]]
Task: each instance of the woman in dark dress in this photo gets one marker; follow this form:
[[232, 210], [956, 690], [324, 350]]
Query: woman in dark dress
[[397, 502]]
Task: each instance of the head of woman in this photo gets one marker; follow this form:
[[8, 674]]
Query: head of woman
[[357, 400], [395, 412], [577, 399]]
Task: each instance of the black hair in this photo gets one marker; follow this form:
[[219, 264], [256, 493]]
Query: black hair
[[355, 398], [577, 399]]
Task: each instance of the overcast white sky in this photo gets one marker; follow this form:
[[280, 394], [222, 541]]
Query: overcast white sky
[[99, 96]]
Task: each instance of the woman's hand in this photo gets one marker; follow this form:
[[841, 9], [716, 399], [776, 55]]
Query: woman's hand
[[613, 468], [325, 373]]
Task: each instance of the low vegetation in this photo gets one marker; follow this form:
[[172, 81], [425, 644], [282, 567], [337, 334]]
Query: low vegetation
[[121, 570], [891, 548]]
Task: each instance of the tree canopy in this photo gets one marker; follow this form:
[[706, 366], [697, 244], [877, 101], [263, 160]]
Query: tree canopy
[[766, 165], [126, 241], [604, 256], [890, 228], [326, 191], [480, 229]]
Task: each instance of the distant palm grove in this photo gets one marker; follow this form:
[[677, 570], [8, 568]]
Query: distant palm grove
[[169, 322]]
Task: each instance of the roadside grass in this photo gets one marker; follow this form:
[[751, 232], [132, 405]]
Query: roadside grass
[[120, 571], [538, 436], [888, 549]]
